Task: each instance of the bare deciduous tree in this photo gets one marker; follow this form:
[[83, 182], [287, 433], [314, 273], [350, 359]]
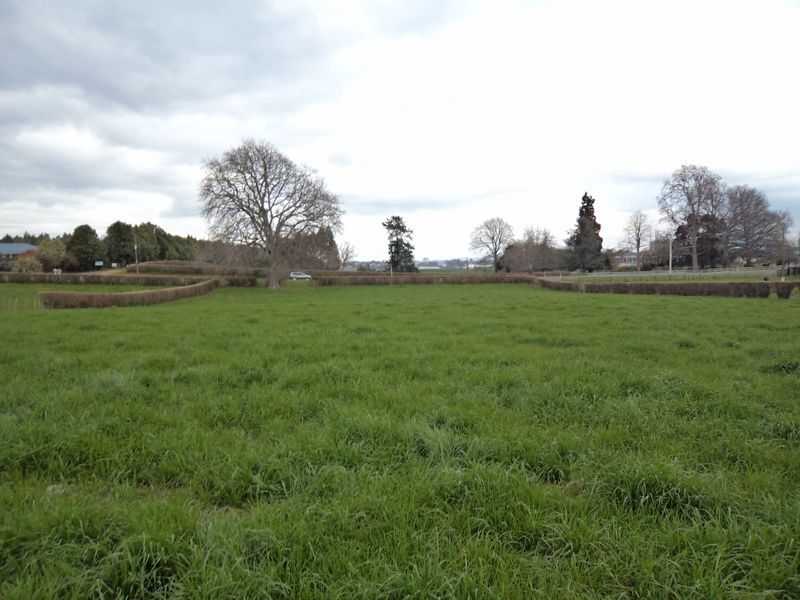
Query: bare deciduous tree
[[534, 252], [229, 255], [752, 224], [347, 252], [492, 237], [783, 222], [691, 192], [658, 251], [537, 245], [538, 236], [637, 231], [256, 196]]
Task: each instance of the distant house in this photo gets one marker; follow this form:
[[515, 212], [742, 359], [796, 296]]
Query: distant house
[[625, 259], [14, 251]]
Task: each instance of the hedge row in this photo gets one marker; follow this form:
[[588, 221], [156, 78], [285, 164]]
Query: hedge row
[[746, 289], [194, 268], [129, 279], [143, 298], [319, 273], [415, 279], [201, 268], [98, 278], [239, 281]]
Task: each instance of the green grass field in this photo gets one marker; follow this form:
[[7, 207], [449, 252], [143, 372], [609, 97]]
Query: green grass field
[[408, 441]]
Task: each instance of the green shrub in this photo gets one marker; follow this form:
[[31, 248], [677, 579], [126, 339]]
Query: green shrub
[[27, 264]]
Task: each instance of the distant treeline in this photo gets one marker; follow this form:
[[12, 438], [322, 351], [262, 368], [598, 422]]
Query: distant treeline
[[124, 244], [82, 249]]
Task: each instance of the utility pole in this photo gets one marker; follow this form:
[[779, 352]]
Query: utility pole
[[136, 251], [670, 256]]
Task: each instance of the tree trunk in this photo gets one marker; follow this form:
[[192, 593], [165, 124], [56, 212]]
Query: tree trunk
[[273, 281]]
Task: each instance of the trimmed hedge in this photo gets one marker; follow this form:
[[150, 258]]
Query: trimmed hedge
[[239, 281], [194, 268], [142, 298], [317, 273], [561, 285], [416, 279], [129, 279], [200, 268], [99, 278], [741, 289]]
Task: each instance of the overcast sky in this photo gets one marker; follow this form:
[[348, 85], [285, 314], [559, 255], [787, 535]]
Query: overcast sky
[[446, 113]]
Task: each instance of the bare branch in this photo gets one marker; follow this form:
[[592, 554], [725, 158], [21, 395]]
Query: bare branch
[[637, 230], [492, 237], [347, 252], [256, 196], [691, 192]]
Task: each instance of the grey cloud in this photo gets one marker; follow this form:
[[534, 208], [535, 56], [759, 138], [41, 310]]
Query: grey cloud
[[121, 70], [26, 168], [152, 76], [184, 204], [142, 55]]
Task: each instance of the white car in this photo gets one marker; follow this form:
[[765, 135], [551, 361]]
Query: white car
[[299, 275]]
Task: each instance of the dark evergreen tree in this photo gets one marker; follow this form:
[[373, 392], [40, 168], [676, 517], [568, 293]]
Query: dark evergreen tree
[[710, 242], [25, 238], [147, 237], [120, 243], [585, 246], [711, 251], [316, 250], [326, 248], [85, 247], [185, 247], [401, 251]]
